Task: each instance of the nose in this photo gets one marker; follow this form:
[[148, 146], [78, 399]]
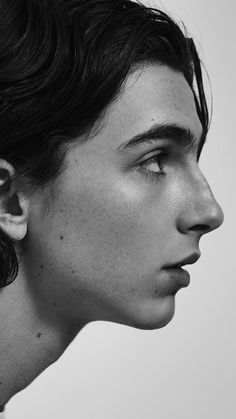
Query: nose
[[200, 212]]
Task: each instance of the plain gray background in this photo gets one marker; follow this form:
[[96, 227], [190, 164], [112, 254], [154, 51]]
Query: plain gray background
[[187, 369]]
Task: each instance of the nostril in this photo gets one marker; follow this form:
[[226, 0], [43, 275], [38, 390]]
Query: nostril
[[201, 227]]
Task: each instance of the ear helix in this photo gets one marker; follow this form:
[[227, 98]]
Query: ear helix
[[8, 257], [5, 181]]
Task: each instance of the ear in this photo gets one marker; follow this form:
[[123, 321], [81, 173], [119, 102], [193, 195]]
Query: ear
[[14, 204]]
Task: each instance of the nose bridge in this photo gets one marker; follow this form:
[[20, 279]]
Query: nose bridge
[[202, 212]]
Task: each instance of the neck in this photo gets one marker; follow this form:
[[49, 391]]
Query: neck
[[31, 338]]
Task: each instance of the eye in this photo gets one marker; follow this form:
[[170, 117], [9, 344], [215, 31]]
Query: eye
[[157, 164]]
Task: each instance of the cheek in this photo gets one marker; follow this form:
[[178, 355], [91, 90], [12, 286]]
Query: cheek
[[103, 222], [116, 228]]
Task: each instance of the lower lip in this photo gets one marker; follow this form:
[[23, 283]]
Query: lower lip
[[179, 278]]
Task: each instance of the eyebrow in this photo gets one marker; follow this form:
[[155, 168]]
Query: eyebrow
[[176, 134]]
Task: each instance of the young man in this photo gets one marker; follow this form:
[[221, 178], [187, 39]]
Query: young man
[[102, 198]]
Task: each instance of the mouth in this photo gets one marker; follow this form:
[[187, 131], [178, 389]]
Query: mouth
[[179, 277]]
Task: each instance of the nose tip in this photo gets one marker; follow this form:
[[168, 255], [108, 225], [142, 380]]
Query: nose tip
[[217, 217], [212, 215], [203, 215]]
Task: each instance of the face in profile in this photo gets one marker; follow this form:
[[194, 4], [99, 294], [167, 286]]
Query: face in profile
[[108, 238]]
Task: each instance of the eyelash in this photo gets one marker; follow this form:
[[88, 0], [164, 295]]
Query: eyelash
[[159, 158]]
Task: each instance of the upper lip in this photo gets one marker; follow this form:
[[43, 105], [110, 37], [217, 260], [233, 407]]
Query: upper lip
[[189, 260]]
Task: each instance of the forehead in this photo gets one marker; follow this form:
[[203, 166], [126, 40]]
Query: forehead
[[155, 94]]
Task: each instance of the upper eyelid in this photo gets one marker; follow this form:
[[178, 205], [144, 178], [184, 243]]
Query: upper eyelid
[[170, 150], [164, 149], [167, 145], [161, 161]]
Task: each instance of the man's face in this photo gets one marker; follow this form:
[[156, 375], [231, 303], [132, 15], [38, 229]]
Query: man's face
[[112, 231]]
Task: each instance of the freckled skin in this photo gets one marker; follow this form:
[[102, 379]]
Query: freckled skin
[[121, 229]]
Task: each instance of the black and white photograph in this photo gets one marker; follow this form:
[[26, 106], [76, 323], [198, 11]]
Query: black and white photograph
[[117, 209]]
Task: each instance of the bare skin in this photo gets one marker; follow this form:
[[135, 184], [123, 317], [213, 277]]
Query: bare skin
[[99, 238]]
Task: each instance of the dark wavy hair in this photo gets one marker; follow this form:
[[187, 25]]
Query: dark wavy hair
[[62, 63]]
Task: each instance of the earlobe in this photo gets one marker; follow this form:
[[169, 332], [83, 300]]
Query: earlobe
[[14, 205]]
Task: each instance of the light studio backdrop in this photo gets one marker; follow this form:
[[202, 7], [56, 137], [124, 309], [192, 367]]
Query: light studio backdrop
[[187, 370]]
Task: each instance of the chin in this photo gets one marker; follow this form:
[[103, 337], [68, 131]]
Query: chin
[[151, 316]]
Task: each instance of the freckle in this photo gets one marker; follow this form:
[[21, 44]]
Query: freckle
[[41, 266], [0, 384], [61, 237], [54, 304], [39, 335], [73, 271], [156, 292]]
